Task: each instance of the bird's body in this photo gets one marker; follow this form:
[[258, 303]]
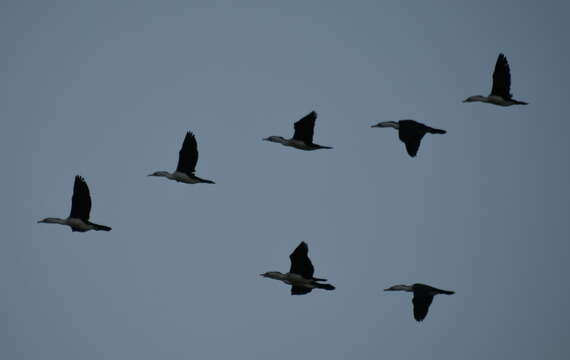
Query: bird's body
[[501, 90], [300, 275], [410, 133], [423, 297], [78, 219], [303, 137], [187, 160]]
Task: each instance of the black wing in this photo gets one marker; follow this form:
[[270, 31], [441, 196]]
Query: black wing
[[411, 133], [412, 138], [81, 200], [300, 262], [502, 78], [421, 306], [305, 127], [188, 155], [413, 145], [296, 290]]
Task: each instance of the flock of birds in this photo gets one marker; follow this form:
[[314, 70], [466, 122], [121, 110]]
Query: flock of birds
[[300, 275]]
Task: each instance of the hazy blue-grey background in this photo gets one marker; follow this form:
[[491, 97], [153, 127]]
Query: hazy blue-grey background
[[107, 89]]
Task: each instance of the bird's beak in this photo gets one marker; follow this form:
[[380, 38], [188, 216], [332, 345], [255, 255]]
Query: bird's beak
[[266, 139], [39, 221], [373, 126], [388, 289], [150, 175], [262, 275], [464, 101]]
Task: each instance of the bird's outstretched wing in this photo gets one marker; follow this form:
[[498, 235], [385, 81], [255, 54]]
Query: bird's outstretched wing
[[411, 133], [421, 306], [305, 127], [81, 200], [300, 262], [413, 145], [502, 78], [188, 155], [297, 290]]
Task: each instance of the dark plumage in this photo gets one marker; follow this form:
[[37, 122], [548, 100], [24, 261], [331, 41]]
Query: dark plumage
[[297, 290], [81, 200], [501, 90], [187, 160], [81, 205], [188, 155], [302, 265], [423, 297], [410, 133], [300, 262], [305, 128], [502, 78], [303, 137], [78, 219], [300, 275]]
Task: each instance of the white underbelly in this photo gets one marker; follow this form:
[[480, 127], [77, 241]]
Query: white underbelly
[[298, 280], [182, 177], [78, 224], [299, 145], [497, 100]]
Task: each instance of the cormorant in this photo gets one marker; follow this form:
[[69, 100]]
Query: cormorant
[[501, 91], [423, 296], [303, 137], [78, 219], [187, 159], [410, 132], [300, 276]]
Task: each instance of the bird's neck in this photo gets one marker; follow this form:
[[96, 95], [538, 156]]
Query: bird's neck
[[480, 98], [276, 275], [403, 288], [277, 139], [392, 124], [54, 221], [165, 174]]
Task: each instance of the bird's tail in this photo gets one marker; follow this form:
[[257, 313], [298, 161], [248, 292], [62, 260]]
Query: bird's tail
[[324, 286], [205, 181], [436, 131], [446, 292], [101, 227], [520, 102]]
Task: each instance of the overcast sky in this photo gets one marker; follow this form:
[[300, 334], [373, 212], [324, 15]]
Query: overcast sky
[[107, 90]]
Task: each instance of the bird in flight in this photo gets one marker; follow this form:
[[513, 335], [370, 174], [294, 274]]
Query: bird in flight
[[410, 132], [423, 297], [187, 159], [303, 137], [78, 219], [501, 90], [300, 275]]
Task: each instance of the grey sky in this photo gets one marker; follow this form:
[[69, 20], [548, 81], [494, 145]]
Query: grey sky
[[108, 89]]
